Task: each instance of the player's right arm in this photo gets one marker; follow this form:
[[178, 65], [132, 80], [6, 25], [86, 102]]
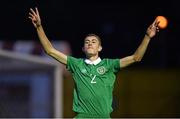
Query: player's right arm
[[49, 49]]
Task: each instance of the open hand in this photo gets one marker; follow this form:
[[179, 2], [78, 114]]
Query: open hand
[[35, 17]]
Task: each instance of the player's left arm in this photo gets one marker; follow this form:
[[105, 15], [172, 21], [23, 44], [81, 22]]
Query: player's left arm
[[139, 53]]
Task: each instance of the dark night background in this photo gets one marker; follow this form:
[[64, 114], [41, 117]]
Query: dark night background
[[120, 24], [149, 88]]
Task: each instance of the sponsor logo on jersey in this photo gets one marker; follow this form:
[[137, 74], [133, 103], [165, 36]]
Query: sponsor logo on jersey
[[101, 70]]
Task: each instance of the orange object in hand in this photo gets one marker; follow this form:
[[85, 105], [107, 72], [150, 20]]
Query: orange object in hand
[[163, 22]]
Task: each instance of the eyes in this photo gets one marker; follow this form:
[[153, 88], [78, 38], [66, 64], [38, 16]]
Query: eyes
[[88, 41]]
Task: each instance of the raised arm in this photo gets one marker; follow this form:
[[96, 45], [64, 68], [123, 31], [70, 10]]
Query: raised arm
[[49, 49], [139, 53]]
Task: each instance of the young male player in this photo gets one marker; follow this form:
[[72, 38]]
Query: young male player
[[94, 77]]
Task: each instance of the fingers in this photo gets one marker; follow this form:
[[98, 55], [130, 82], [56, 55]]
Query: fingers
[[32, 11], [157, 29], [34, 14], [154, 22], [153, 28], [37, 12], [34, 24], [154, 25], [31, 15]]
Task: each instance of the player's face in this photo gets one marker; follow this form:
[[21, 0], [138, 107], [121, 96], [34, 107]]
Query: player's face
[[91, 45]]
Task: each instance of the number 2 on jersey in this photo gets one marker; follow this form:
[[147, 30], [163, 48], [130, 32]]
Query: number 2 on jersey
[[93, 79]]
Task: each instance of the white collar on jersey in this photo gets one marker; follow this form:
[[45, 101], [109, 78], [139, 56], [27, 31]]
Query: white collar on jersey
[[95, 62]]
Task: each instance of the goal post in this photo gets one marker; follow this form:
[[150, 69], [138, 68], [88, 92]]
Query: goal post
[[32, 66]]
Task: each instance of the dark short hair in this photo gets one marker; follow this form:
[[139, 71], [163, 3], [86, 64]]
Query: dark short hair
[[92, 34]]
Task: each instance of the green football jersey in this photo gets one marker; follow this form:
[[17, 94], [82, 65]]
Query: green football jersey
[[93, 85]]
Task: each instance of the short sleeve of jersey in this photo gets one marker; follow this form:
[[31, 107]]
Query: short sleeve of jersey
[[115, 65], [71, 63]]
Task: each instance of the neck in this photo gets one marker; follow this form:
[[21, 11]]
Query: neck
[[92, 58]]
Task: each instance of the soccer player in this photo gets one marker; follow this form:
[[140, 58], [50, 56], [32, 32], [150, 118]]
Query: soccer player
[[94, 77]]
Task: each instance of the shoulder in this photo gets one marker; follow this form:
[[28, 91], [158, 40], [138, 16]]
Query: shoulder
[[74, 59], [109, 60]]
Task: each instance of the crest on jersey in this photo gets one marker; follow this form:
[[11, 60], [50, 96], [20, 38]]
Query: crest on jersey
[[101, 70]]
